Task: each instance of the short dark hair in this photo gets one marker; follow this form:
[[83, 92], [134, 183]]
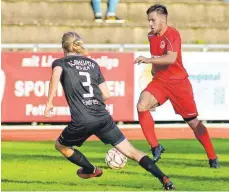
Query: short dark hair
[[159, 8]]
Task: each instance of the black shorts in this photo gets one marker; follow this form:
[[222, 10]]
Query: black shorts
[[106, 130]]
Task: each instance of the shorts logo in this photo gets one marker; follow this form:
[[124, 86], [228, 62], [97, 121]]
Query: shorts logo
[[191, 114], [162, 46]]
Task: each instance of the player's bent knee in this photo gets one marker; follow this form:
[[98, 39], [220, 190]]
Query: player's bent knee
[[142, 107], [61, 148], [57, 146], [192, 122], [199, 129]]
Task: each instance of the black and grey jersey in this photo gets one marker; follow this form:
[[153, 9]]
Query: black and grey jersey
[[80, 79]]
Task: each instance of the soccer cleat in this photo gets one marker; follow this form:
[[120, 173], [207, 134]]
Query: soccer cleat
[[113, 19], [214, 163], [167, 184], [157, 151], [97, 173]]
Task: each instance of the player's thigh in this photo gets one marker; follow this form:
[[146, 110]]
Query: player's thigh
[[73, 135], [107, 131], [128, 150], [182, 99], [146, 101], [152, 96]]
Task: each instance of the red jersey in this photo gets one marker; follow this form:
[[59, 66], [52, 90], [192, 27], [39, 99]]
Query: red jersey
[[159, 46]]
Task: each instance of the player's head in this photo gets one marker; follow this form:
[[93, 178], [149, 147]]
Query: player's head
[[157, 17], [72, 43]]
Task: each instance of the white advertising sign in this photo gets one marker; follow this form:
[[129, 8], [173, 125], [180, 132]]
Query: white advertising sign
[[209, 75]]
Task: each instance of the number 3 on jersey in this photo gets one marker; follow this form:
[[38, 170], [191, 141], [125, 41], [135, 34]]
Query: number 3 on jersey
[[87, 84]]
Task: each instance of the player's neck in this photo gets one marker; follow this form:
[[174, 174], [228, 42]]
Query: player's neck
[[163, 30], [70, 53]]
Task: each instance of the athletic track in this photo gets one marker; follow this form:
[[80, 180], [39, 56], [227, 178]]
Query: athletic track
[[132, 132]]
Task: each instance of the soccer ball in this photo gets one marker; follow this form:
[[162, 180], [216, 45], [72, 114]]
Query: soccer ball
[[115, 160]]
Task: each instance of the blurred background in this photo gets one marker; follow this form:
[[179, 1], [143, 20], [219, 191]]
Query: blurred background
[[115, 32]]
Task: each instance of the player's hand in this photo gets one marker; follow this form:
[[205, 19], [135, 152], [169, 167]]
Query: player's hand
[[142, 59], [48, 109]]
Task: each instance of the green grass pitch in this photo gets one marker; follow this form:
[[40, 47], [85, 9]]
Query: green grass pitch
[[37, 166]]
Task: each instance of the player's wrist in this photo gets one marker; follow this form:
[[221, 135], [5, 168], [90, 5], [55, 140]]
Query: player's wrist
[[150, 60]]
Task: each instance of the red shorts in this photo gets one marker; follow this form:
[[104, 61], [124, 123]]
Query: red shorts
[[179, 92]]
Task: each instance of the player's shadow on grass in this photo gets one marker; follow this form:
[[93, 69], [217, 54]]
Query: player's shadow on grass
[[30, 157], [28, 182], [7, 157], [200, 178], [224, 163], [132, 173], [190, 162], [183, 162], [193, 149], [183, 177], [104, 167], [137, 186]]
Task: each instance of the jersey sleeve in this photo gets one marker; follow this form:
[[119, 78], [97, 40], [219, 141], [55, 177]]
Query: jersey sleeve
[[174, 42], [56, 63], [100, 77]]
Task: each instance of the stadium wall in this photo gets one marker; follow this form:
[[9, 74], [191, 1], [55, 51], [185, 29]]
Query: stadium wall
[[196, 20]]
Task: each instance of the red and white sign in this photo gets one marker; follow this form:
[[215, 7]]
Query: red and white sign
[[27, 81]]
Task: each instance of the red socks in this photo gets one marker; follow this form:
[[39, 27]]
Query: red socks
[[147, 124], [202, 135]]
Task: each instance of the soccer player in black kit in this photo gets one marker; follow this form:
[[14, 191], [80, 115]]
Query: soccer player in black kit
[[85, 91]]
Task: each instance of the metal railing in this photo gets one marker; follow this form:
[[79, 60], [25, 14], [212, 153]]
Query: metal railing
[[120, 47]]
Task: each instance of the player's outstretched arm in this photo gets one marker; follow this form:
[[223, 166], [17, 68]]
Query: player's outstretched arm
[[53, 85], [167, 59], [105, 92]]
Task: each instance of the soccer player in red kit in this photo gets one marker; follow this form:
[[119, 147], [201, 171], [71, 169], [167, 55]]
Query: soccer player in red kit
[[170, 82]]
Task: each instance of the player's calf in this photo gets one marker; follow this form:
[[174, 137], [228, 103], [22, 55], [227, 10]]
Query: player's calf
[[129, 151], [76, 157], [201, 134], [148, 164]]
